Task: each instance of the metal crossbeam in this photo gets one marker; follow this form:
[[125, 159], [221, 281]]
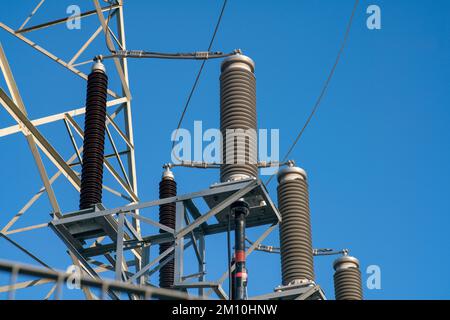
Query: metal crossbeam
[[43, 144], [64, 20], [104, 285], [56, 117]]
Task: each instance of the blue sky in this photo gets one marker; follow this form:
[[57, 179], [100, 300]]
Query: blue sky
[[377, 152]]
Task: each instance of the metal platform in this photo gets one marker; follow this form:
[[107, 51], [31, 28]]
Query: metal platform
[[313, 292], [262, 209], [89, 228]]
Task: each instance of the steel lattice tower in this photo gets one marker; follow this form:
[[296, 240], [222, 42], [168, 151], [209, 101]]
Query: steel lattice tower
[[119, 104]]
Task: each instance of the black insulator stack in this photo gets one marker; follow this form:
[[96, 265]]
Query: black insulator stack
[[167, 215], [94, 138], [347, 279], [295, 227], [238, 112]]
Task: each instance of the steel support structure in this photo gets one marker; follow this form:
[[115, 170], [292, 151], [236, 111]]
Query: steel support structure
[[191, 232], [11, 101]]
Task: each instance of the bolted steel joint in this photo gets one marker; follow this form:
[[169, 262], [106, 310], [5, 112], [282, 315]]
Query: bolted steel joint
[[240, 207]]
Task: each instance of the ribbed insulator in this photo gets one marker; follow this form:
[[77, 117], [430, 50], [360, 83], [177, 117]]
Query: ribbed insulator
[[94, 138], [347, 279], [295, 227], [238, 111], [167, 189]]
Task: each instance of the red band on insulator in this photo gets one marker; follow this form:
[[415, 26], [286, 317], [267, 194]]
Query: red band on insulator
[[241, 275], [240, 256]]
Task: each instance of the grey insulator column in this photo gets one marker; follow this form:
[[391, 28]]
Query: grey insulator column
[[347, 279], [295, 227], [167, 216], [94, 137], [238, 111]]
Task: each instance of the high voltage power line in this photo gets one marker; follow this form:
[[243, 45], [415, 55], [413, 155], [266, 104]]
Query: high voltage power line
[[324, 88], [199, 73]]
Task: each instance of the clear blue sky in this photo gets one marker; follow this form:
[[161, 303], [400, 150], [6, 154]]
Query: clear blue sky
[[377, 152]]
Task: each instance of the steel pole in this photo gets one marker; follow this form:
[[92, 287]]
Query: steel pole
[[240, 210]]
